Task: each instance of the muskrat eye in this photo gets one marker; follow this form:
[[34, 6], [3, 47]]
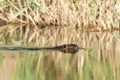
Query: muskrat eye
[[64, 46]]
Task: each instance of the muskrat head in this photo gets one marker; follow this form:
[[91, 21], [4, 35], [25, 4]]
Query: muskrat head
[[69, 48]]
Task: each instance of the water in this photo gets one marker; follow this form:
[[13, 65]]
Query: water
[[54, 65]]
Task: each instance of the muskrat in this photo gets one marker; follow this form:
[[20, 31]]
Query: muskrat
[[66, 48]]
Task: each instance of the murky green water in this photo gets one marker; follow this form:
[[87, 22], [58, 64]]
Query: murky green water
[[101, 63]]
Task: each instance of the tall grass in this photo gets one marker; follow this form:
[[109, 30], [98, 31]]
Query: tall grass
[[91, 14]]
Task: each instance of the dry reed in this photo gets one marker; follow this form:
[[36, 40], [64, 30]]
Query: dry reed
[[89, 14]]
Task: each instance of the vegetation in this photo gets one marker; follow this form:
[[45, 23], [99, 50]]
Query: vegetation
[[91, 14]]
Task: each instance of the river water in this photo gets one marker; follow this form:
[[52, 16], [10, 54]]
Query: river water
[[104, 45]]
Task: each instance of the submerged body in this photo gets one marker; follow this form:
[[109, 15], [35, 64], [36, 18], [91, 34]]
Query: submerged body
[[66, 48]]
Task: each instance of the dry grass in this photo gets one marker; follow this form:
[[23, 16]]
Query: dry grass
[[43, 20], [92, 14]]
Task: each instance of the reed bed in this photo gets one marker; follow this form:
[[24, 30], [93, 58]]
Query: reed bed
[[90, 14]]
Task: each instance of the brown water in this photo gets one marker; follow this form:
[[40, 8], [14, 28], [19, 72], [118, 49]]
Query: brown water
[[104, 44], [8, 65]]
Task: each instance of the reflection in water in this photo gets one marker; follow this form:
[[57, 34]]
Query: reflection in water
[[103, 59], [8, 66]]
